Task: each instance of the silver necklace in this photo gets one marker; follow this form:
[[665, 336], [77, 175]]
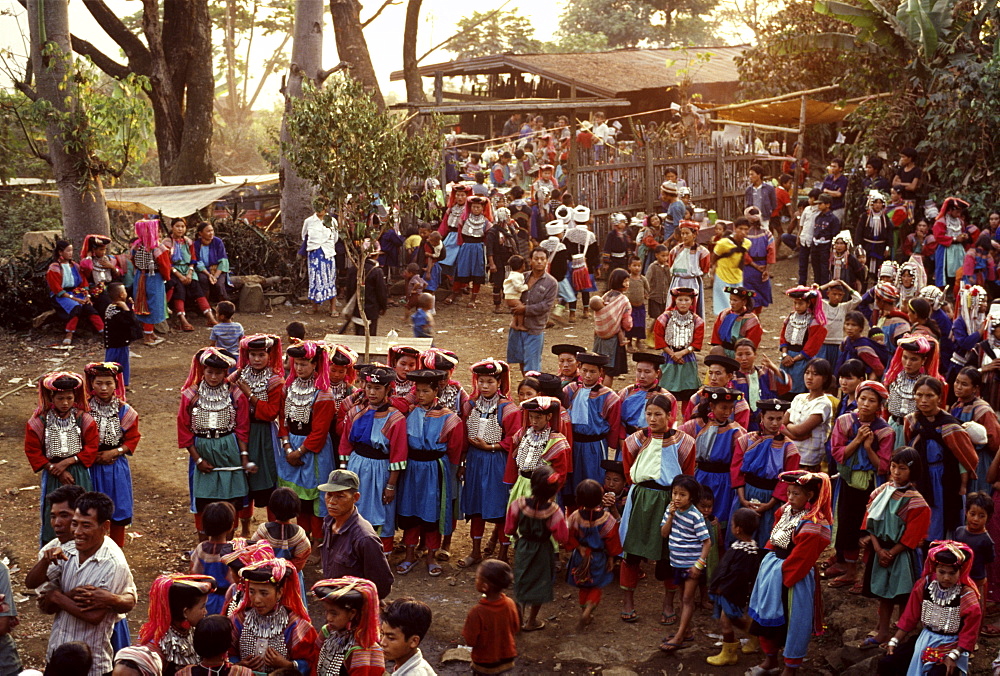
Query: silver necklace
[[214, 411], [484, 421], [62, 436], [109, 426], [261, 632], [298, 404], [781, 534], [334, 652], [531, 448], [798, 324], [680, 329], [257, 381], [178, 648], [901, 395], [448, 397]]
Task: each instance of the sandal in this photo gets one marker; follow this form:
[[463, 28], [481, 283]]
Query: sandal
[[857, 589], [537, 627], [669, 647], [442, 555], [405, 567], [842, 582], [629, 616], [990, 631], [434, 570], [667, 620], [468, 561]]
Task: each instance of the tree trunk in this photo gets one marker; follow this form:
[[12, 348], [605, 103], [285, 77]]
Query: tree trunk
[[411, 74], [352, 47], [83, 212], [307, 60]]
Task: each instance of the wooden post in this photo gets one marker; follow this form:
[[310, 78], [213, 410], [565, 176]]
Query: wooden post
[[720, 176], [439, 99], [571, 154], [798, 161], [652, 185]]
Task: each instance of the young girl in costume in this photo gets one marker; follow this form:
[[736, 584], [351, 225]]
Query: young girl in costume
[[288, 540], [910, 279], [844, 267], [491, 421], [737, 321], [183, 284], [271, 627], [373, 446], [612, 323], [217, 521], [944, 447], [211, 640], [452, 394], [70, 292], [757, 383], [875, 233], [403, 359], [451, 222], [470, 261], [99, 269], [260, 375], [152, 270], [715, 435], [304, 432], [689, 262], [593, 539], [350, 636], [585, 258], [802, 334], [856, 345], [679, 333], [914, 357], [760, 254], [862, 445], [595, 413], [887, 315], [428, 489], [342, 382], [896, 521], [213, 425], [118, 429], [721, 373], [953, 236], [634, 397], [536, 521], [970, 406], [538, 442], [810, 417], [946, 602], [61, 438], [176, 606], [638, 295], [782, 604], [652, 458], [758, 459]]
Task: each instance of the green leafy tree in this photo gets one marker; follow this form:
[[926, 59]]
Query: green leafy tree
[[353, 152], [481, 34], [629, 23]]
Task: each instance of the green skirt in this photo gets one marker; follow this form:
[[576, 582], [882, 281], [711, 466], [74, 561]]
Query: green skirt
[[534, 562], [224, 452], [261, 451], [679, 377], [646, 509]]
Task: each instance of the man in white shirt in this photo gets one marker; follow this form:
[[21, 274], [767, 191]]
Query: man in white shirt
[[804, 240], [90, 581]]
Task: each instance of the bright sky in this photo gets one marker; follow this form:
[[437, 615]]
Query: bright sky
[[385, 35]]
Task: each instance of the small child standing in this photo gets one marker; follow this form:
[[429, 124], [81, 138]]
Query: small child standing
[[637, 294], [492, 623], [415, 285], [706, 505], [295, 331], [535, 520], [212, 639], [731, 586], [615, 488], [423, 318], [119, 328], [593, 537], [218, 520], [513, 287], [287, 539], [658, 278], [405, 622], [227, 334], [978, 511], [688, 543]]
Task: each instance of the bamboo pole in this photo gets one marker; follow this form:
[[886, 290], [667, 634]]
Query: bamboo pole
[[774, 99], [754, 125]]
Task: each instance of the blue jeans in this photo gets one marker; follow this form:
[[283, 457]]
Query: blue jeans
[[525, 349]]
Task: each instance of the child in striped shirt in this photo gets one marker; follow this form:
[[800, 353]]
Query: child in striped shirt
[[227, 334], [688, 542]]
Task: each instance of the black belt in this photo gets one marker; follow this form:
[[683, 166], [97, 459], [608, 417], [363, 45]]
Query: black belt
[[630, 429], [213, 434], [588, 437], [761, 483], [713, 467], [795, 348], [729, 345], [897, 418], [526, 474], [108, 447], [678, 349], [425, 455], [468, 239], [653, 485], [368, 451], [300, 429]]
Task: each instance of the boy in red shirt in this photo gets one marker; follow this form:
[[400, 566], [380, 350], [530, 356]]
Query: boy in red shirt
[[492, 623]]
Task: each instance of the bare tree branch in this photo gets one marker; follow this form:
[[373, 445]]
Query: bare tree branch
[[467, 28], [137, 52], [268, 69], [323, 74], [110, 67], [364, 24]]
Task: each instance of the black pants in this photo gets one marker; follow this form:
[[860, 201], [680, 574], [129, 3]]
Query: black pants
[[217, 291], [185, 292], [820, 256], [899, 661]]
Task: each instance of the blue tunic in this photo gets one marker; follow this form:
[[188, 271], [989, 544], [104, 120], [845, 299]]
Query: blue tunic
[[428, 489], [714, 446], [315, 469], [590, 437], [485, 494], [470, 262], [373, 473], [765, 459], [634, 410], [115, 480]]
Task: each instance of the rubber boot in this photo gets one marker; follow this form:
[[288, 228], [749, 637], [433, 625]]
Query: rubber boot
[[728, 656], [751, 646]]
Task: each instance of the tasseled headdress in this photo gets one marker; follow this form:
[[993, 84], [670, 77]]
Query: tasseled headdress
[[159, 603], [60, 381], [366, 632], [208, 356], [106, 368], [316, 352]]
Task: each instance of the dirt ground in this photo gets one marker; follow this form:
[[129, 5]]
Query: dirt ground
[[162, 533]]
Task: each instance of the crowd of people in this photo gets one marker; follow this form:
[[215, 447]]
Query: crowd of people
[[863, 453]]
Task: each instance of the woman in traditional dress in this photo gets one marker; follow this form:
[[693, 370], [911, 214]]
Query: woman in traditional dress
[[61, 438], [634, 397], [611, 324], [213, 425], [260, 375], [212, 262], [760, 254], [183, 284], [373, 446], [151, 259], [874, 232], [783, 604], [403, 359], [99, 269], [986, 357], [650, 234], [953, 236], [679, 332], [428, 489], [450, 224], [971, 310], [452, 393], [914, 357], [944, 447], [896, 520], [470, 261], [737, 321], [69, 291], [945, 601], [651, 458], [176, 606], [491, 422], [118, 431], [969, 406], [758, 459], [350, 636], [304, 430], [343, 377], [689, 263], [862, 444], [802, 334], [271, 626], [320, 242], [537, 442], [715, 435], [584, 256]]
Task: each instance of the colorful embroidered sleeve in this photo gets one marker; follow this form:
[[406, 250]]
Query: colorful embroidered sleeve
[[698, 337], [267, 411], [842, 436], [660, 331], [815, 336], [810, 541], [716, 338], [510, 469], [704, 259], [323, 414], [972, 617], [53, 277], [395, 431], [557, 526], [300, 637], [185, 437], [510, 422], [612, 412], [917, 516], [366, 662], [958, 442], [736, 465], [242, 416], [130, 429], [985, 416], [34, 446], [454, 434], [558, 455], [751, 329], [513, 514], [609, 533], [630, 451], [686, 454]]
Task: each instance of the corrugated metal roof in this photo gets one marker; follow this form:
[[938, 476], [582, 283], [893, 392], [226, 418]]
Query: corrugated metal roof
[[607, 73]]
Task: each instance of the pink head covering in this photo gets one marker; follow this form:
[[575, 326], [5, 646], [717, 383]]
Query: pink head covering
[[148, 661], [316, 352], [106, 368], [922, 345], [812, 295], [60, 381], [281, 573], [207, 356], [148, 233]]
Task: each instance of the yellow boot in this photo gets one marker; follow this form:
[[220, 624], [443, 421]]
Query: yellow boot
[[728, 656], [751, 646]]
